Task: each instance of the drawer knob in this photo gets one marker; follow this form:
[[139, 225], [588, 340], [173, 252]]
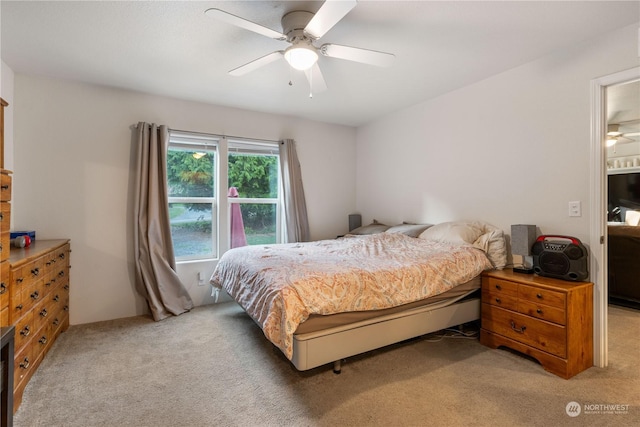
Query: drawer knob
[[19, 307], [1, 216], [20, 280], [35, 295], [35, 271], [3, 288], [25, 331], [539, 296], [5, 187], [518, 330], [43, 340], [55, 322], [44, 313], [539, 311], [498, 300], [56, 298], [498, 287], [25, 363]]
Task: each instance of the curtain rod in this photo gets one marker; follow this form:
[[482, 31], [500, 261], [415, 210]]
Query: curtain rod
[[242, 138]]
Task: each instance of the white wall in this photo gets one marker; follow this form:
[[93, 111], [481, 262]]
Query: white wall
[[6, 92], [73, 178], [514, 148]]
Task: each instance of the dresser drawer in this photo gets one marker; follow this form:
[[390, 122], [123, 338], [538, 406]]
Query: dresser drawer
[[24, 330], [4, 287], [5, 187], [22, 365], [536, 333], [542, 296]]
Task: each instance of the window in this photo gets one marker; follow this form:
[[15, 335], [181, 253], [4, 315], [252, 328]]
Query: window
[[201, 171]]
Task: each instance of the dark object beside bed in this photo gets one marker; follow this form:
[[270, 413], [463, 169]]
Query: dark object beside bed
[[624, 265]]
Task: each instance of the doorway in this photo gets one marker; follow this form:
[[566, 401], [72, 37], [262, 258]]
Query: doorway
[[598, 186]]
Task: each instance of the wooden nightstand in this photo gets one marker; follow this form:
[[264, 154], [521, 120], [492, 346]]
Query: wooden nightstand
[[548, 319]]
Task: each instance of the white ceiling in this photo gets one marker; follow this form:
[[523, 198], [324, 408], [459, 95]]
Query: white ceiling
[[171, 48]]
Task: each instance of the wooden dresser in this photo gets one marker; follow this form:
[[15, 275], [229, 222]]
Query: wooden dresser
[[39, 304], [548, 319], [5, 244]]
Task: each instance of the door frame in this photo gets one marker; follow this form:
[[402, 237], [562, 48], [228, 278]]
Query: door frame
[[598, 226]]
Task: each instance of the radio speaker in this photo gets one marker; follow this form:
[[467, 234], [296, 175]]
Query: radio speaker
[[562, 257]]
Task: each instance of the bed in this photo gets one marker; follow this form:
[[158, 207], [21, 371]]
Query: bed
[[321, 302]]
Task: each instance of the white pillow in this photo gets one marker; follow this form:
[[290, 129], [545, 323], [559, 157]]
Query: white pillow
[[411, 230], [481, 235], [453, 232]]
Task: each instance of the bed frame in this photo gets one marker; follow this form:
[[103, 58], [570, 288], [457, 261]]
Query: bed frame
[[315, 349]]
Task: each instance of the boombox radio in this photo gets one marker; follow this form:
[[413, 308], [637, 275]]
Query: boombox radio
[[562, 257]]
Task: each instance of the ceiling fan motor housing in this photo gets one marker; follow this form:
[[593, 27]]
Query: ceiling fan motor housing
[[293, 24]]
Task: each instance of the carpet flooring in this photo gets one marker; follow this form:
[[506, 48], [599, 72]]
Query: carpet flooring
[[213, 367]]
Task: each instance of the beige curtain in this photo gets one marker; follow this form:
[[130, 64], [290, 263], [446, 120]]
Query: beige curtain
[[297, 223], [153, 248]]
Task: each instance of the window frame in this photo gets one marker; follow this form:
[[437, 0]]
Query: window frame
[[221, 204]]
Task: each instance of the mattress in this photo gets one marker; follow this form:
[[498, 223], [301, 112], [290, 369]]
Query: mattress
[[317, 322]]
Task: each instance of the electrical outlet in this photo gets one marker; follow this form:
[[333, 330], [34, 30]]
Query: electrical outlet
[[201, 281], [575, 208]]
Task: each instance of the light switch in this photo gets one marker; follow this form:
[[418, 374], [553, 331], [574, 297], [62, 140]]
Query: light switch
[[575, 208]]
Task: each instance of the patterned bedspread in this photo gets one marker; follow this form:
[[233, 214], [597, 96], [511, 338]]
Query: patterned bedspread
[[279, 286]]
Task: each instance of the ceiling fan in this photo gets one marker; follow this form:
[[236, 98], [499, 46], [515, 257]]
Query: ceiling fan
[[615, 136], [302, 29]]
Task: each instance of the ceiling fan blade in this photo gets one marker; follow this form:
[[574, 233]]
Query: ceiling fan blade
[[223, 16], [365, 56], [255, 64], [329, 14], [316, 80]]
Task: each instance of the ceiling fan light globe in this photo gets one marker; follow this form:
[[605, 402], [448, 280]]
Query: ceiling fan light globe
[[301, 57], [611, 142]]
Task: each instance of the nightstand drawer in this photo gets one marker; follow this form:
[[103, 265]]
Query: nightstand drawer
[[500, 287], [542, 296], [544, 312], [495, 298], [539, 334]]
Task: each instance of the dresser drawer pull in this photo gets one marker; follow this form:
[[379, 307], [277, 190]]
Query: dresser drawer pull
[[66, 308], [35, 295], [61, 256], [48, 284], [25, 363], [56, 298], [20, 280], [1, 216], [44, 313], [498, 300], [25, 331], [55, 322], [5, 187], [35, 271], [19, 307], [66, 287], [518, 330], [498, 287], [43, 340], [3, 288], [61, 274], [539, 296], [539, 311]]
